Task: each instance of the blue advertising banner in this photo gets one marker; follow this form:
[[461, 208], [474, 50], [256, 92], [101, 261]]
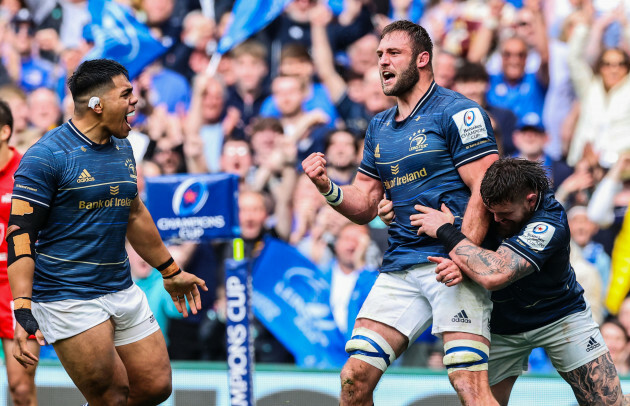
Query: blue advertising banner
[[194, 207], [292, 300], [240, 351]]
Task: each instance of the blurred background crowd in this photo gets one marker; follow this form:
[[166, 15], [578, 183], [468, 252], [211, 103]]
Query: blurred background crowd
[[552, 74]]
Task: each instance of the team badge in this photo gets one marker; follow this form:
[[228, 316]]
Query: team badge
[[417, 141]]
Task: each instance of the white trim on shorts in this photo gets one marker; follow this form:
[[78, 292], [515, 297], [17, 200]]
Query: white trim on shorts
[[128, 309]]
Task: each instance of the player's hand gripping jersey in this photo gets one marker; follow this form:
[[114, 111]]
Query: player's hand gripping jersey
[[417, 161]]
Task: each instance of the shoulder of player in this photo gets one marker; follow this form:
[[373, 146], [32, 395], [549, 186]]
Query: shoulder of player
[[384, 118]]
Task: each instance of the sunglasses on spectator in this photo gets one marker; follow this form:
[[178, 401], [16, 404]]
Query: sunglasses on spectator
[[508, 54], [234, 151]]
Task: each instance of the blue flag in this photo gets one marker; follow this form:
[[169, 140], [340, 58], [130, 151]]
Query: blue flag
[[292, 300], [249, 17], [119, 36]]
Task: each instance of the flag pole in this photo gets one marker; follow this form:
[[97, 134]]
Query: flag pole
[[211, 69]]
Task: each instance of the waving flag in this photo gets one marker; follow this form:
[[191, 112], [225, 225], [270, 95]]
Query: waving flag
[[119, 36], [249, 17], [292, 299]]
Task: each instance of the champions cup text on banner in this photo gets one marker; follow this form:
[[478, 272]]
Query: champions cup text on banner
[[292, 300], [238, 291], [119, 36], [194, 207]]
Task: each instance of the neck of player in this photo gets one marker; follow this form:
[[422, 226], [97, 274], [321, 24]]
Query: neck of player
[[91, 128], [408, 101]]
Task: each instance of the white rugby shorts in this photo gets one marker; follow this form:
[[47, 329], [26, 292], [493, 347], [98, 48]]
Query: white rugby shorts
[[570, 342], [411, 300], [129, 309]]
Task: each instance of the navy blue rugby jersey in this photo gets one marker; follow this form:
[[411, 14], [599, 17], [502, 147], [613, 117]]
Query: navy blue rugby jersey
[[417, 160], [88, 189], [551, 292]]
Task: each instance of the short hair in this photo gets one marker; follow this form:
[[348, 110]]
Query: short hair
[[329, 137], [253, 48], [471, 72], [510, 179], [600, 58], [296, 51], [6, 118], [10, 91], [420, 39], [266, 123], [300, 81], [93, 76]]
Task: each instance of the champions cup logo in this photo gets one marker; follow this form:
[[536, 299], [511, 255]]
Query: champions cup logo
[[541, 229], [190, 197], [469, 118]]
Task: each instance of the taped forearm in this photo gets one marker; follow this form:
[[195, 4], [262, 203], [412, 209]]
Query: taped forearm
[[24, 224]]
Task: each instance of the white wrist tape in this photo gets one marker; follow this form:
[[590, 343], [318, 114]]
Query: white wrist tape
[[334, 196]]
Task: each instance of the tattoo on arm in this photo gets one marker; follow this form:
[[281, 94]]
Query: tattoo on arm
[[479, 263], [596, 382]]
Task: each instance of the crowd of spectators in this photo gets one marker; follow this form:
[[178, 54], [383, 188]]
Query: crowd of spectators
[[552, 74]]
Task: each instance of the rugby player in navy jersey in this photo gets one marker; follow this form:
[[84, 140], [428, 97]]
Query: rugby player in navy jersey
[[75, 199], [432, 148], [537, 300]]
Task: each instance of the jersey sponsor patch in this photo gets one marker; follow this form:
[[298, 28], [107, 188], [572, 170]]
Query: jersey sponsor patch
[[537, 235], [470, 125]]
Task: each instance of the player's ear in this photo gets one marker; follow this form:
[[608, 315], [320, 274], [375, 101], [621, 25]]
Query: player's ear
[[5, 133], [423, 59], [531, 199], [95, 104]]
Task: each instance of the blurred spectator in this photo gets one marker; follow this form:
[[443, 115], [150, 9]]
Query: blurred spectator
[[306, 129], [350, 280], [616, 339], [582, 232], [34, 71], [578, 187], [530, 140], [249, 92], [604, 121], [588, 277], [445, 67], [169, 156], [341, 149], [44, 109], [296, 61], [472, 81], [514, 89], [23, 136], [190, 55], [306, 203], [165, 87], [361, 53], [149, 280], [355, 113], [236, 158]]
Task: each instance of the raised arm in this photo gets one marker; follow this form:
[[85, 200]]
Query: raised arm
[[358, 202], [476, 218]]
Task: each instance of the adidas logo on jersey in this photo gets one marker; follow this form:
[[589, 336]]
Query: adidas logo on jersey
[[461, 317], [592, 344], [85, 177]]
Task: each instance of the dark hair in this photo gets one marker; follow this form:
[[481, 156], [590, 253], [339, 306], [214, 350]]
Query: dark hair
[[264, 124], [297, 51], [471, 72], [600, 58], [510, 179], [419, 37], [92, 76], [6, 118], [329, 137]]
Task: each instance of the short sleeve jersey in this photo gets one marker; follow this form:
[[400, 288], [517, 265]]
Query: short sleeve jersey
[[88, 189], [417, 161], [551, 291], [6, 189]]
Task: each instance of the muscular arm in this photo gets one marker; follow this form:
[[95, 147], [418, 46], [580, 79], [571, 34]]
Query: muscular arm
[[144, 236], [476, 218], [360, 200], [492, 270]]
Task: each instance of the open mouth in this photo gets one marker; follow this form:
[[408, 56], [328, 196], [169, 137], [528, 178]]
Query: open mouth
[[133, 113], [388, 77]]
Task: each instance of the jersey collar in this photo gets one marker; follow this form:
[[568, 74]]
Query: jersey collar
[[421, 102], [84, 137]]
